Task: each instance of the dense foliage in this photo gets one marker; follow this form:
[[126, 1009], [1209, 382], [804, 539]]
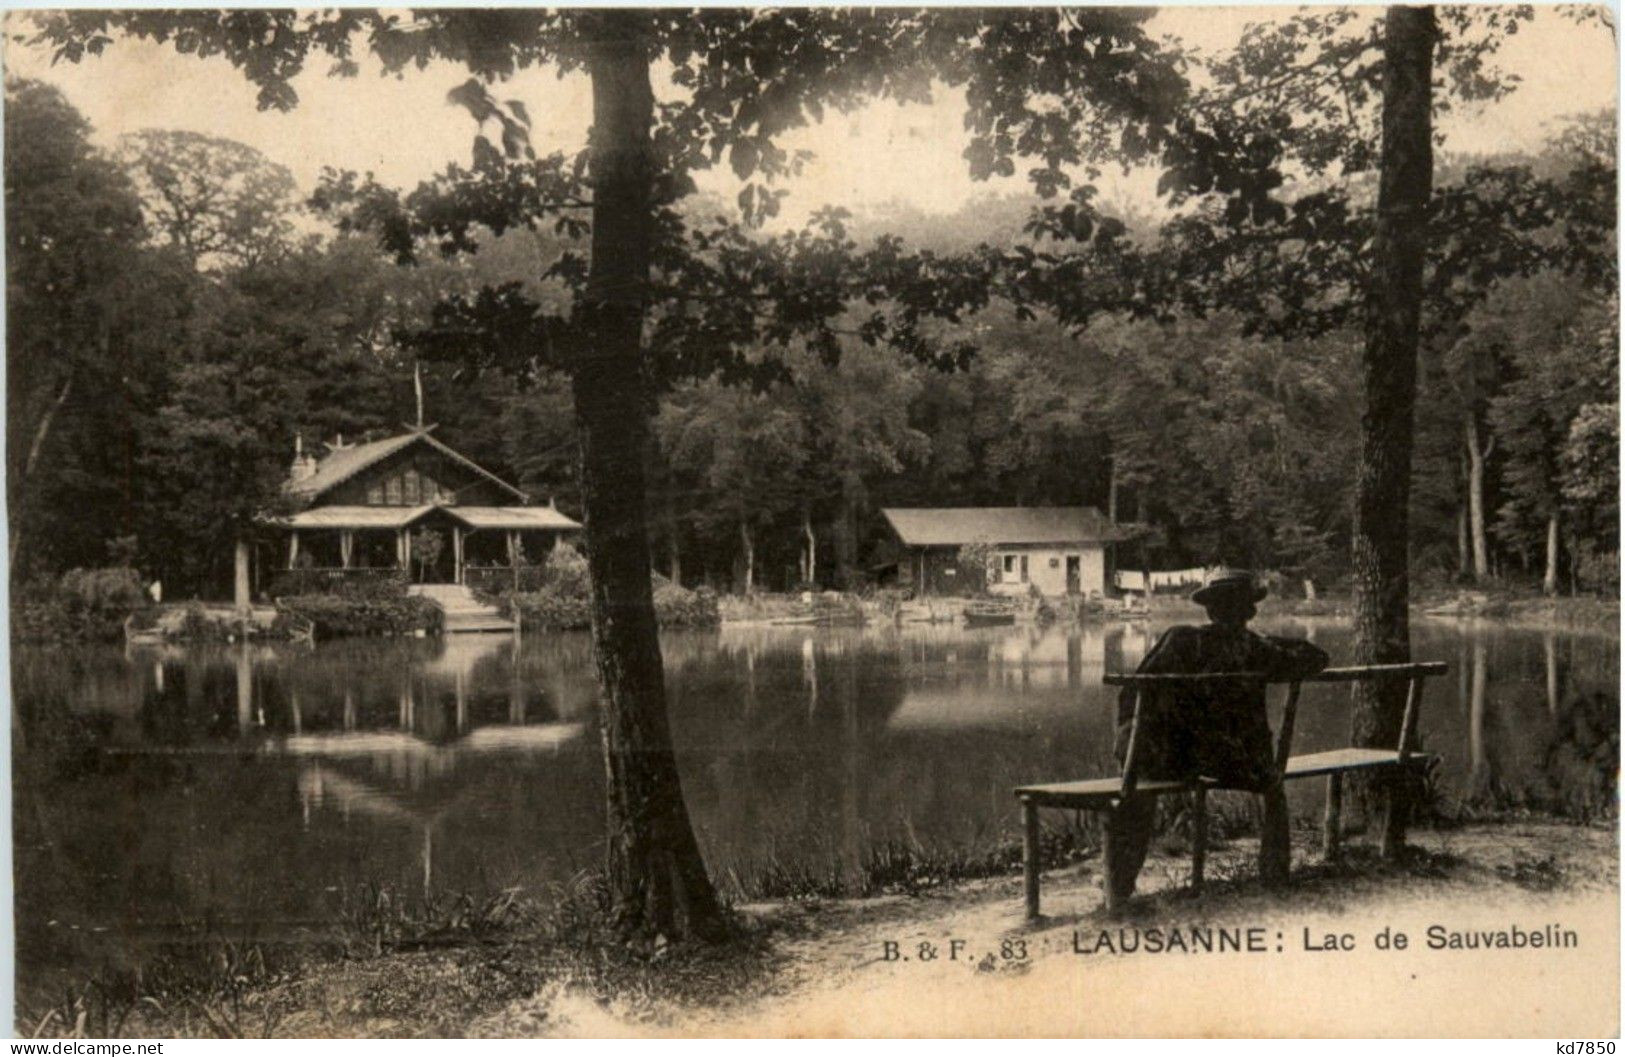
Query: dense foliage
[[1199, 377]]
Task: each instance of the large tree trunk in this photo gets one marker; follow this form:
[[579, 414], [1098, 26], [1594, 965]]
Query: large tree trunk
[[657, 880], [1382, 477], [1549, 585], [1475, 497], [748, 546]]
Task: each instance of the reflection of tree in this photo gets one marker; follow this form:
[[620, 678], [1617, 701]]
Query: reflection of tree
[[1582, 762], [1475, 716]]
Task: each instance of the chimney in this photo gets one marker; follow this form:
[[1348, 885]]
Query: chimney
[[304, 466]]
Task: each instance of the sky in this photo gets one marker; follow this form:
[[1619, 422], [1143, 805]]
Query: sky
[[403, 130]]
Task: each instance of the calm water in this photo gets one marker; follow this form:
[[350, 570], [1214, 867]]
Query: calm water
[[255, 786]]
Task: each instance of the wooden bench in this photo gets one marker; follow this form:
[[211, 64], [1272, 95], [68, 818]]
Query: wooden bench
[[1104, 794]]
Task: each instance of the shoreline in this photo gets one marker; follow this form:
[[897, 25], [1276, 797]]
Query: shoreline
[[822, 966], [1504, 608]]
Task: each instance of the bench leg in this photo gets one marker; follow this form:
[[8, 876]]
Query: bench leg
[[1198, 837], [1029, 856], [1395, 816], [1334, 817], [1275, 837]]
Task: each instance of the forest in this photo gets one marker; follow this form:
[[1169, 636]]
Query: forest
[[179, 310]]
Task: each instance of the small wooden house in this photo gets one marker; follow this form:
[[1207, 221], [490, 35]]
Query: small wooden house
[[1006, 550], [360, 506]]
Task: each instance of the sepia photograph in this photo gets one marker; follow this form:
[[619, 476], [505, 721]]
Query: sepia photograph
[[904, 522]]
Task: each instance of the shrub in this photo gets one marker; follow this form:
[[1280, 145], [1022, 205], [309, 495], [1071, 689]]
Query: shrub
[[547, 610], [365, 613], [551, 610], [85, 604], [678, 607], [196, 626], [565, 571]]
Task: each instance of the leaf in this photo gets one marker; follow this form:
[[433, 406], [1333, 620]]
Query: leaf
[[743, 158]]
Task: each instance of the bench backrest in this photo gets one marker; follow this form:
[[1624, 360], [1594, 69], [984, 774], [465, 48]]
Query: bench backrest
[[1416, 674]]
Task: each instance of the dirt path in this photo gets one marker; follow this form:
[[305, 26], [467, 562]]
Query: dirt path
[[835, 974], [1321, 958]]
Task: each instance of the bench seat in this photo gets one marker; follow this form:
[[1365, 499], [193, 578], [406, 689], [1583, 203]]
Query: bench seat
[[1315, 764], [1098, 792]]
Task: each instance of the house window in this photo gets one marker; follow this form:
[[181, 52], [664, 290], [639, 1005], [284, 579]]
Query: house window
[[375, 493], [409, 487], [392, 490], [1015, 569]]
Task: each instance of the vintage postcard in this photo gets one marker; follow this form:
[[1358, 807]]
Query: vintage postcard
[[707, 522]]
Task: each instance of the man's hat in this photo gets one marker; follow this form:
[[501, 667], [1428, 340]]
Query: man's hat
[[1223, 582]]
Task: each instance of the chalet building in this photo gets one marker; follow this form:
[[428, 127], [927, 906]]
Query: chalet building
[[360, 506], [1006, 550]]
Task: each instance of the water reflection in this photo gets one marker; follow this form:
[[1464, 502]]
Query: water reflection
[[260, 783]]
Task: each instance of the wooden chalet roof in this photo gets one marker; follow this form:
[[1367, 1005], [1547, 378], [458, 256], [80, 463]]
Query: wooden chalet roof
[[512, 517], [355, 517], [956, 526], [336, 467], [341, 516]]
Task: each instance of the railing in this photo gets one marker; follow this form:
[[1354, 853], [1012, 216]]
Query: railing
[[322, 579]]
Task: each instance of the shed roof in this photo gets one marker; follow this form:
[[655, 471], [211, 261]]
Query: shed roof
[[956, 526], [338, 466]]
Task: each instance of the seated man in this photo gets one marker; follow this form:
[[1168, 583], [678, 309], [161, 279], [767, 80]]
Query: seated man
[[1216, 730]]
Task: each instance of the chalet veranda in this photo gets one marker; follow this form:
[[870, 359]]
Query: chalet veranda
[[407, 503]]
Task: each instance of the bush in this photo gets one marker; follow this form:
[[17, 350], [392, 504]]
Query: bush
[[565, 571], [547, 610], [84, 605], [365, 613], [552, 610], [678, 607]]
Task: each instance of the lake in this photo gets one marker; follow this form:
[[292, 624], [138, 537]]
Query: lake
[[155, 788]]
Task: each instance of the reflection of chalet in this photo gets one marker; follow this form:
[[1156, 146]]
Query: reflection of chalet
[[365, 505]]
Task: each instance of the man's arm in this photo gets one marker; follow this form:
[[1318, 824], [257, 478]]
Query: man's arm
[[1286, 660], [1172, 653]]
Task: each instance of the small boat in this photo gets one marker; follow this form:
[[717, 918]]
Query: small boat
[[988, 614]]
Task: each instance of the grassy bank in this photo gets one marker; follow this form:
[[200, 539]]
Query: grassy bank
[[542, 963]]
